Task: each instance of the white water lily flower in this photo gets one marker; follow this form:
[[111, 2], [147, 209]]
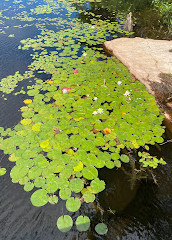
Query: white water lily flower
[[92, 27], [95, 113], [119, 82], [100, 110], [84, 54], [95, 98], [129, 99], [64, 90], [127, 93]]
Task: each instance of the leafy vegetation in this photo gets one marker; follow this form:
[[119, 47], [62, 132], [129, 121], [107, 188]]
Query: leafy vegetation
[[82, 223], [2, 171], [64, 223], [101, 228], [165, 10], [91, 113]]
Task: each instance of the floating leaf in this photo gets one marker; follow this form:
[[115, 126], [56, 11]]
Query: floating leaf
[[110, 164], [115, 156], [124, 158], [78, 167], [97, 185], [28, 186], [18, 172], [39, 198], [33, 92], [51, 185], [82, 223], [90, 172], [76, 185], [27, 101], [64, 223], [99, 141], [44, 144], [117, 163], [101, 228], [65, 193], [34, 172], [13, 158], [39, 182], [2, 171], [88, 197], [53, 199], [26, 121], [36, 127], [73, 204]]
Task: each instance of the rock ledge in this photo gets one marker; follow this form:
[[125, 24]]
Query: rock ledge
[[150, 61]]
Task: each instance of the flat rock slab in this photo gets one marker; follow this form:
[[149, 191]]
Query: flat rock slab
[[150, 61], [145, 58]]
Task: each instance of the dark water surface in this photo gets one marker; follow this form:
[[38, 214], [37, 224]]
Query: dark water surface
[[143, 214]]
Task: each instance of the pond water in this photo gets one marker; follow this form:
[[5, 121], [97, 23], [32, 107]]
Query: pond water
[[144, 213]]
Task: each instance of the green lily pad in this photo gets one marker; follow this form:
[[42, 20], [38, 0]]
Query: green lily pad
[[101, 228], [2, 171], [82, 223], [53, 199], [88, 197], [117, 163], [64, 223], [76, 185], [110, 164], [34, 172], [97, 185], [28, 186], [39, 198], [18, 172], [26, 121], [124, 158], [99, 141], [90, 172], [39, 182], [65, 193], [73, 204]]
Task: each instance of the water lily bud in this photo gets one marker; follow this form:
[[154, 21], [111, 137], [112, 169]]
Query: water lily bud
[[66, 90], [75, 71]]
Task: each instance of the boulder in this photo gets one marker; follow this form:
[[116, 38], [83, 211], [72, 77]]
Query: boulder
[[150, 61]]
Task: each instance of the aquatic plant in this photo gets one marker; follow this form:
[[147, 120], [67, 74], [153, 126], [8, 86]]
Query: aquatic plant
[[91, 114]]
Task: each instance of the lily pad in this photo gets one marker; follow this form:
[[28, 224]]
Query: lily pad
[[64, 223], [82, 223], [65, 193], [101, 228], [97, 185], [76, 185], [88, 197], [39, 198], [73, 204], [124, 158], [90, 172], [28, 186], [53, 199], [2, 171], [26, 121]]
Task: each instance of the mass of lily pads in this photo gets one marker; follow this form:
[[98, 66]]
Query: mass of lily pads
[[90, 114]]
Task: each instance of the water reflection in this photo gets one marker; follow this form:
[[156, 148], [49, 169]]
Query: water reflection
[[148, 23]]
